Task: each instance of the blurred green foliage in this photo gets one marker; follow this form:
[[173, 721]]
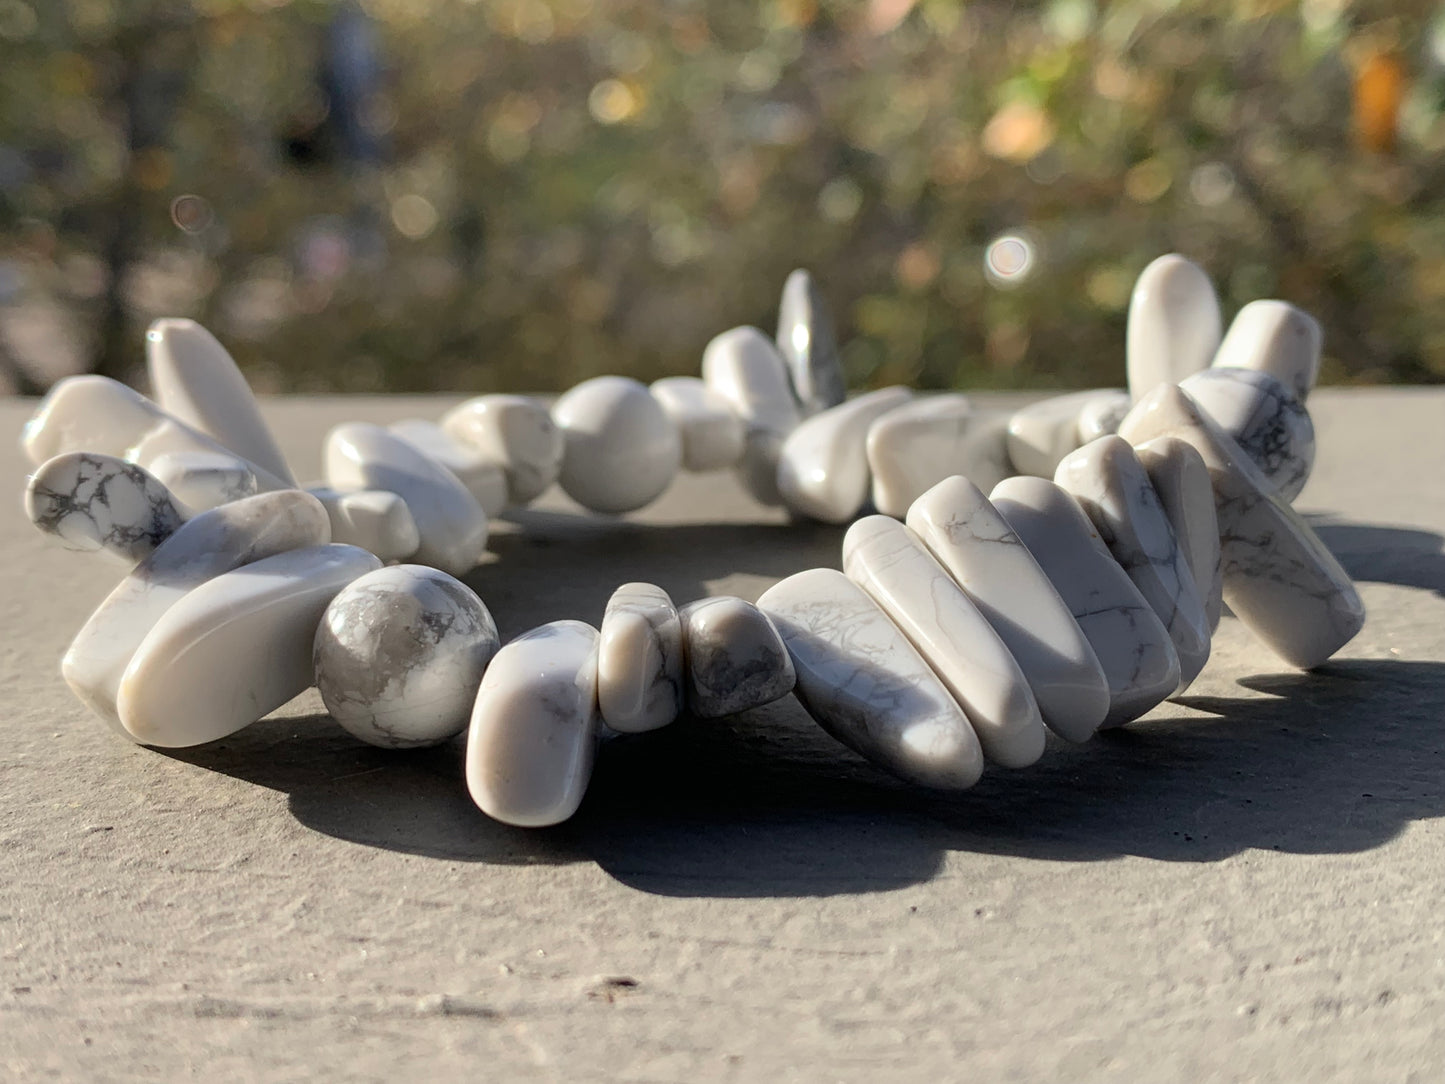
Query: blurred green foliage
[[442, 194]]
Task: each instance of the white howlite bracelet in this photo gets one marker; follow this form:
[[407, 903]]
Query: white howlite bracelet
[[1059, 568]]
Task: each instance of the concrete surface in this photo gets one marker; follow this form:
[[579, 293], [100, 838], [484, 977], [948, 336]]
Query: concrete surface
[[1246, 886]]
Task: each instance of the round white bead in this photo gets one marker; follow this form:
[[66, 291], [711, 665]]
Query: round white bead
[[622, 450]]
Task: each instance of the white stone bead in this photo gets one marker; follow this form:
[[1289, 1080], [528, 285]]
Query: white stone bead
[[999, 574], [517, 433], [888, 561], [622, 450], [1130, 641], [484, 479], [1180, 478], [213, 543], [98, 503], [1279, 579], [712, 435], [1276, 338], [376, 520], [449, 521], [823, 464], [1174, 324], [534, 729], [735, 659], [169, 436], [205, 480], [864, 683], [913, 448], [194, 378], [87, 414], [1100, 416], [1264, 418], [1112, 487], [1042, 433], [399, 656], [809, 345], [639, 660], [744, 367], [235, 648]]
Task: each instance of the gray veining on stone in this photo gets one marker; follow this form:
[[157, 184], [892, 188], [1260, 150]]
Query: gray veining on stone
[[205, 480], [91, 502], [1276, 338], [1264, 418], [865, 684], [400, 653], [809, 345], [735, 658], [1177, 472], [1131, 643], [1112, 487], [213, 543], [640, 660], [1279, 578], [996, 570]]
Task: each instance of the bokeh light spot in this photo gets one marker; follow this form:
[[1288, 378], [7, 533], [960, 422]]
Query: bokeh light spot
[[1009, 260], [191, 213]]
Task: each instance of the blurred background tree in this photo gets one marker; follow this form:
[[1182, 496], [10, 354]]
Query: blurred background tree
[[515, 194]]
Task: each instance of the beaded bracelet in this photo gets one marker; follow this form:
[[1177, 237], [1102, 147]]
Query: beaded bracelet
[[1062, 567]]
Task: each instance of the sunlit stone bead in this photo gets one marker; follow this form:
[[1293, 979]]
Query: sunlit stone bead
[[399, 655], [1275, 337], [97, 503], [377, 520], [745, 369], [535, 725], [640, 660], [1174, 324], [1042, 433], [517, 433], [809, 345], [735, 660], [485, 480], [1264, 418], [712, 435], [204, 480], [622, 450], [1180, 478], [1101, 415], [823, 464]]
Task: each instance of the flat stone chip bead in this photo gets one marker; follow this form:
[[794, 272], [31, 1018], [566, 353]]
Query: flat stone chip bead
[[1100, 416], [1279, 579], [993, 567], [97, 503], [201, 549], [374, 519], [485, 480], [194, 378], [1180, 478], [865, 684], [639, 660], [1112, 487], [234, 649], [399, 656], [1174, 324], [1042, 433], [449, 521], [809, 345], [1131, 643], [913, 448], [745, 369], [1264, 418], [535, 726], [888, 561], [205, 480], [712, 435], [823, 464], [735, 658], [1276, 338], [518, 434], [622, 449]]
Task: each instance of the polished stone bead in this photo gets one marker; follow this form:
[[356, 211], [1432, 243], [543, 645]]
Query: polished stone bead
[[823, 464], [1261, 415], [735, 659], [888, 561], [1042, 433], [483, 478], [1131, 643], [712, 435], [399, 655], [376, 520], [864, 683], [640, 660], [622, 449], [535, 725], [517, 433], [1174, 324], [1279, 578], [97, 503], [1275, 337], [745, 369], [1180, 478], [205, 480], [808, 344]]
